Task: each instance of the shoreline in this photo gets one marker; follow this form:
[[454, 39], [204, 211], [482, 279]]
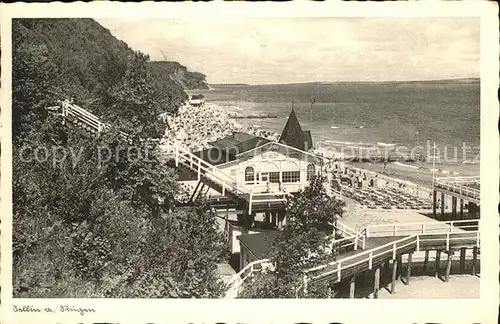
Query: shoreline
[[195, 127]]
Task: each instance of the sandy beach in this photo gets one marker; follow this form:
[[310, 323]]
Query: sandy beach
[[422, 175], [195, 127]]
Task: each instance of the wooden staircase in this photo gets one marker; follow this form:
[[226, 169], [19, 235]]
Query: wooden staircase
[[378, 244], [206, 173]]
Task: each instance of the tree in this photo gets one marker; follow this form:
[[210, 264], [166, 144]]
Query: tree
[[92, 224], [179, 256], [132, 104], [302, 245]]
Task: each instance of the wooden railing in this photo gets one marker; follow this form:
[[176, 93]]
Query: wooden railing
[[89, 119], [69, 109], [389, 251], [235, 284], [181, 156], [343, 228], [358, 237], [456, 185], [405, 229], [338, 266], [203, 168], [332, 192]]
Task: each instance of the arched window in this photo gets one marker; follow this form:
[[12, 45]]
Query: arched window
[[249, 174], [311, 171]]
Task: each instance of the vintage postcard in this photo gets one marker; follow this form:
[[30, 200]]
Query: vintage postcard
[[250, 163]]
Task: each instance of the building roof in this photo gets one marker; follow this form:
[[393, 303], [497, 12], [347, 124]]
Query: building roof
[[294, 136], [259, 244], [251, 144], [293, 148], [238, 143], [232, 140], [213, 157]]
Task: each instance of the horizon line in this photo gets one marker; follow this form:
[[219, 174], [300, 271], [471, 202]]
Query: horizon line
[[350, 81]]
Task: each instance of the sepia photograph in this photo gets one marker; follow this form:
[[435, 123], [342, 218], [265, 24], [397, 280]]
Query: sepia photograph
[[286, 157], [288, 166]]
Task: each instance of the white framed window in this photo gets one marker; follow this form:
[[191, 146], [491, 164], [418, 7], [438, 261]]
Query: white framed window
[[311, 171], [249, 174], [274, 177], [291, 176]]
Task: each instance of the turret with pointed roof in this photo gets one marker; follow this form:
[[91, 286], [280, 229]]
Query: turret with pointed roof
[[294, 136]]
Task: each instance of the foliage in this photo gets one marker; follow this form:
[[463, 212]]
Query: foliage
[[96, 223], [91, 63], [302, 245]]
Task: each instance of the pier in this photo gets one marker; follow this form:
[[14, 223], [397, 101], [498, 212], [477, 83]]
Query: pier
[[460, 189]]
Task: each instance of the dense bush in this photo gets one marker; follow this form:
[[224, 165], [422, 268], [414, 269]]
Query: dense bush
[[309, 215], [83, 228]]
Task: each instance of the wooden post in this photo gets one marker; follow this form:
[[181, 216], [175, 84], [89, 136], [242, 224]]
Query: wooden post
[[472, 210], [281, 216], [352, 286], [394, 272], [242, 259], [274, 216], [408, 268], [442, 206], [400, 267], [453, 207], [448, 265], [434, 203], [474, 260], [438, 257], [426, 260], [462, 259], [461, 209], [267, 217], [376, 284]]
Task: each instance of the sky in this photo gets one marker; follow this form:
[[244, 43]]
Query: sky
[[293, 50]]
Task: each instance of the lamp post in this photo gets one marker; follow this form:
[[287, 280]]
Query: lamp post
[[433, 162], [313, 100]]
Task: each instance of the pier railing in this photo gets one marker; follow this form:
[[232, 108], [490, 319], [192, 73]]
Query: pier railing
[[332, 192], [458, 185], [236, 283], [404, 229], [368, 258], [337, 267], [358, 237]]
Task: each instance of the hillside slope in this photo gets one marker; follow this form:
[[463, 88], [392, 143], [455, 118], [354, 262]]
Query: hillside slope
[[89, 61]]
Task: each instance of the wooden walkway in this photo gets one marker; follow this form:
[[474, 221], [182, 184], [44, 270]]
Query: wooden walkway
[[379, 250], [462, 187]]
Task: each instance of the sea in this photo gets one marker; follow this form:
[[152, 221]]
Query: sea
[[365, 113]]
